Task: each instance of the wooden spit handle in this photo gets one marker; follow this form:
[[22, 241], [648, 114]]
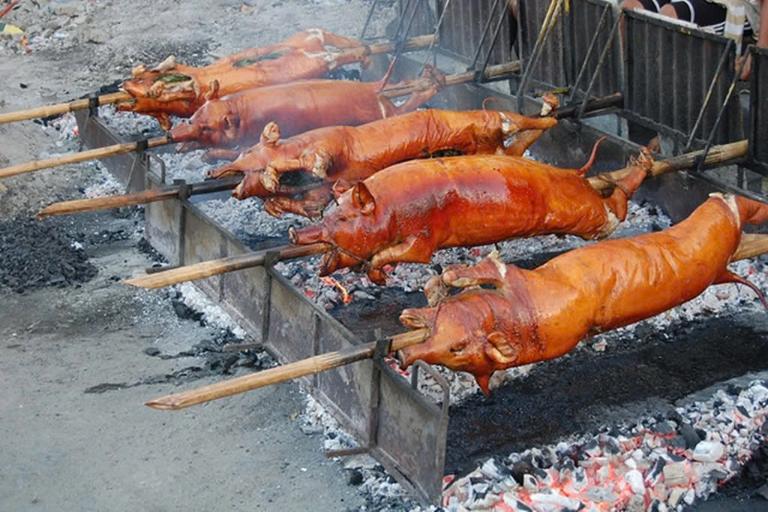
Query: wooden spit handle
[[83, 156], [220, 266], [290, 371], [62, 108]]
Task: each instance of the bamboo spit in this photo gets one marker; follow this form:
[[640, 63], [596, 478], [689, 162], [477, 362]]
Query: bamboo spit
[[223, 265], [750, 247], [143, 197], [62, 108], [717, 156], [83, 156], [413, 43], [309, 366]]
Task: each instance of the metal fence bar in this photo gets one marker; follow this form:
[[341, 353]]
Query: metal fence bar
[[599, 66], [591, 48]]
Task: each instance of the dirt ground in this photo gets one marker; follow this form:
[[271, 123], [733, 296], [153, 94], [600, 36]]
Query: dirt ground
[[62, 446]]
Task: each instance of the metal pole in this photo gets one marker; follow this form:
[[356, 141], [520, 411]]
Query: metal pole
[[436, 34], [600, 62], [368, 19], [591, 48], [708, 97], [494, 39], [482, 37], [549, 20]]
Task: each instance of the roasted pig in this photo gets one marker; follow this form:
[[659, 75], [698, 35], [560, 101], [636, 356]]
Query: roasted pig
[[408, 211], [346, 155], [239, 119], [507, 316], [172, 89]]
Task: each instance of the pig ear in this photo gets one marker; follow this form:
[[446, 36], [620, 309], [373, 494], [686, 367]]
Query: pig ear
[[501, 349], [483, 381], [213, 90], [363, 199], [418, 318], [227, 121], [271, 133], [339, 187]]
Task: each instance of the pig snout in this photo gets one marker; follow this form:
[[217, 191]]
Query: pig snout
[[307, 235], [184, 132]]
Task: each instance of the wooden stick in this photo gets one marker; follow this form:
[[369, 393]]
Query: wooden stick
[[146, 196], [309, 366], [751, 246], [83, 156], [62, 108], [413, 43], [220, 266], [420, 84], [718, 155]]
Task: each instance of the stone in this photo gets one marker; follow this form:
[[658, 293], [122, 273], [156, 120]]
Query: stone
[[674, 474], [708, 451], [635, 480], [675, 496]]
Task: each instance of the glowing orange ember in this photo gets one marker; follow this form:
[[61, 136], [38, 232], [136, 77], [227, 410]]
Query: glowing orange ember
[[346, 298]]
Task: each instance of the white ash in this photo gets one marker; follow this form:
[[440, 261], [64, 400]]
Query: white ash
[[247, 219], [103, 183], [213, 314], [187, 166], [655, 464], [130, 125]]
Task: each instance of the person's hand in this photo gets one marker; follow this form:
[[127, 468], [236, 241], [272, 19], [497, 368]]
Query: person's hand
[[746, 71]]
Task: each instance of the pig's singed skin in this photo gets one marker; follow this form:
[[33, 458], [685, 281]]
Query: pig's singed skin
[[531, 316], [408, 211], [352, 154], [297, 107], [307, 54]]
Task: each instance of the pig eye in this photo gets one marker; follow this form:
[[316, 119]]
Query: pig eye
[[459, 347]]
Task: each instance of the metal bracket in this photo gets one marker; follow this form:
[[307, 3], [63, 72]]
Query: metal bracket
[[270, 258], [592, 45], [182, 197], [93, 105], [383, 347]]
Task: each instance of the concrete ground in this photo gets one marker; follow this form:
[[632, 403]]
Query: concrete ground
[[62, 448]]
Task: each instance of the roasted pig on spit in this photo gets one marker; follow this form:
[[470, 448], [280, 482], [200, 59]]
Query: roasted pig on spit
[[408, 211], [172, 89], [341, 156], [239, 119], [534, 315]]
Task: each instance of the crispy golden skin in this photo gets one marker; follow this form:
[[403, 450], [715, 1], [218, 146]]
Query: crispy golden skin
[[529, 316], [239, 119], [408, 211], [179, 90], [342, 154]]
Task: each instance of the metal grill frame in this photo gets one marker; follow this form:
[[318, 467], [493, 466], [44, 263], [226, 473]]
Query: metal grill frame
[[758, 133]]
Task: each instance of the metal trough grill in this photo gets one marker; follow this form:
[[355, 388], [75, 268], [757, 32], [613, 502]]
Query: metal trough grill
[[387, 415]]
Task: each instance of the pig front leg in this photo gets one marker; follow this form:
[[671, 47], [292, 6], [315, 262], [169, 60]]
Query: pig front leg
[[217, 154], [490, 271], [524, 132], [414, 249], [310, 205]]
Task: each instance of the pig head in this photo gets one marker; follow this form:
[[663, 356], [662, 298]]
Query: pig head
[[356, 227], [495, 323]]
